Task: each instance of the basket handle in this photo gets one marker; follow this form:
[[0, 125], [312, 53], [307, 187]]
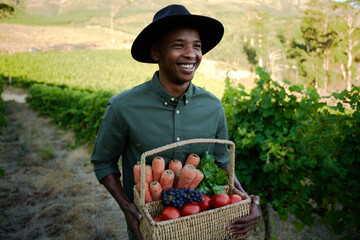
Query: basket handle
[[182, 143]]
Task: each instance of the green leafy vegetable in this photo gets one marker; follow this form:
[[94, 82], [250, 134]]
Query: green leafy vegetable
[[215, 178]]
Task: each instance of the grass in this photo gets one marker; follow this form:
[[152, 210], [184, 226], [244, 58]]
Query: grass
[[109, 70]]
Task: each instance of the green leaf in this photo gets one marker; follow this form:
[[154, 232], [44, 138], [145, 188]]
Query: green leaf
[[215, 178], [296, 88], [284, 178], [298, 225]]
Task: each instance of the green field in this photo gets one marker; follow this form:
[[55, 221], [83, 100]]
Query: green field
[[109, 70]]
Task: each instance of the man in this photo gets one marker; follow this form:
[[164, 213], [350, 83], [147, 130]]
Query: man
[[166, 109]]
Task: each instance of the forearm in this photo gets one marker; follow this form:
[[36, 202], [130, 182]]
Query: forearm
[[113, 184]]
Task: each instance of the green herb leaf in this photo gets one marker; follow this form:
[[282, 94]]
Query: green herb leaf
[[215, 178]]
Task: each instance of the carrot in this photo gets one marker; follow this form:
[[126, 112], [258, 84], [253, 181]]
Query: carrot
[[155, 190], [137, 169], [176, 179], [167, 180], [148, 197], [198, 178], [137, 173], [193, 159], [175, 165], [148, 174], [158, 166], [188, 174]]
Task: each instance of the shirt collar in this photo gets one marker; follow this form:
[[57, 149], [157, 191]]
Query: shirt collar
[[165, 97]]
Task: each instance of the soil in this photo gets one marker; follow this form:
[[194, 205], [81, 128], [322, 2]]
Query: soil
[[49, 190]]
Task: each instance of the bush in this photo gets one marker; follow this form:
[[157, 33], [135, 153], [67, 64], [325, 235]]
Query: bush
[[78, 110], [289, 144], [3, 121]]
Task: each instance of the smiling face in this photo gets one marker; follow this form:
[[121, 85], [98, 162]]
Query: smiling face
[[178, 54]]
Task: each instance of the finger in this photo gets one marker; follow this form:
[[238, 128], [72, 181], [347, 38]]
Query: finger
[[242, 232], [255, 199], [134, 211], [242, 227], [243, 220], [244, 235], [138, 216]]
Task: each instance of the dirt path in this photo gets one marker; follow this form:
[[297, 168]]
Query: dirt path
[[49, 190]]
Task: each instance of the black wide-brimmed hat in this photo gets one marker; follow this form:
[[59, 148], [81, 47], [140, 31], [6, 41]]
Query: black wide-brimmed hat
[[210, 30]]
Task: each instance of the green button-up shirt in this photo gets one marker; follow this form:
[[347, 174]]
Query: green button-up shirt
[[146, 117]]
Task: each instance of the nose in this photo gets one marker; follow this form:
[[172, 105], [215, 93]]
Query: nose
[[190, 52]]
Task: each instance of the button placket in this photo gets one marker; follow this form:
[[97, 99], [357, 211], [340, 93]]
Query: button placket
[[177, 126]]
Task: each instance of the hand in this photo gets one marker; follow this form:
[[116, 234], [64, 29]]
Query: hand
[[241, 227], [113, 185], [133, 216]]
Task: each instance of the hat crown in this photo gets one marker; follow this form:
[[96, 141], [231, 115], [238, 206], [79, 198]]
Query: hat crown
[[171, 10]]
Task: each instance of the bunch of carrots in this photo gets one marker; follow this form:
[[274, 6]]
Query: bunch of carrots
[[158, 179]]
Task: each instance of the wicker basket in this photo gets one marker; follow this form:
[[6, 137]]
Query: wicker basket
[[209, 224]]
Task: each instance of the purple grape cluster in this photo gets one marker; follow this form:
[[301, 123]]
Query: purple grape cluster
[[179, 197]]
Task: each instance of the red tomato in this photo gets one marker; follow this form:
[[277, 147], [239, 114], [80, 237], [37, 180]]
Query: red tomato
[[234, 198], [170, 213], [220, 200], [157, 219], [205, 205], [190, 209]]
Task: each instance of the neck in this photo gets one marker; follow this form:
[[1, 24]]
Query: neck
[[174, 89]]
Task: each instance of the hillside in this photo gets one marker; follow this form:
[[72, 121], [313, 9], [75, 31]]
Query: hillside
[[60, 7], [129, 19], [138, 13]]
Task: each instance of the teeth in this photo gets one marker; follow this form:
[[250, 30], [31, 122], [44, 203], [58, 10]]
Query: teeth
[[186, 66]]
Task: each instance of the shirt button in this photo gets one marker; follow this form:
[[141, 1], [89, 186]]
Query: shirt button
[[178, 139], [172, 99], [165, 103], [187, 101], [177, 111]]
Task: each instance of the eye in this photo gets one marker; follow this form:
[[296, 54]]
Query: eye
[[197, 46], [178, 45]]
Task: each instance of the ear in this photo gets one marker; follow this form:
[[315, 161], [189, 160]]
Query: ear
[[154, 52]]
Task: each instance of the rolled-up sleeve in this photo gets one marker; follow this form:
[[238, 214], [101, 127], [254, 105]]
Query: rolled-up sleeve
[[109, 144]]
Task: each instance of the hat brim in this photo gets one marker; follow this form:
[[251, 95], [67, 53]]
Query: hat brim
[[210, 30]]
